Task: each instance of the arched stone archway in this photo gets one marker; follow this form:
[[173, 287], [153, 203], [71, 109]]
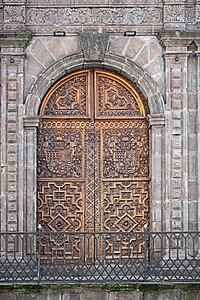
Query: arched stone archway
[[111, 62], [156, 121]]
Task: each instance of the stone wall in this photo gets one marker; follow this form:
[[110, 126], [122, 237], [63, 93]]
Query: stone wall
[[102, 292]]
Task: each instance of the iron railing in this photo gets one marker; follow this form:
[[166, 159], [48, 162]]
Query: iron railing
[[104, 256]]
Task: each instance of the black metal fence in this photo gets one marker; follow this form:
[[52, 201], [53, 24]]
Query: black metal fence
[[115, 256]]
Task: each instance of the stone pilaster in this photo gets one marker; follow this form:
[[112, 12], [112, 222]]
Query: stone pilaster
[[12, 177], [181, 137], [30, 172], [175, 167], [198, 132], [157, 123]]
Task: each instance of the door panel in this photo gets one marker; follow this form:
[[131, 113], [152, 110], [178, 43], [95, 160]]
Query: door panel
[[93, 164]]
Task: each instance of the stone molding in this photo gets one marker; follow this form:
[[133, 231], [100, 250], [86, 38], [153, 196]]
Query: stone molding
[[15, 40], [156, 120], [30, 122], [178, 38]]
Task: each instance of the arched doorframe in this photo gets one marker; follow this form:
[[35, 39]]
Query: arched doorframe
[[156, 121]]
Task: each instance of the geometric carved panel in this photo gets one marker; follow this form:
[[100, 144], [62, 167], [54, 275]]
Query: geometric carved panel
[[125, 206], [125, 209], [115, 98], [60, 205], [60, 209]]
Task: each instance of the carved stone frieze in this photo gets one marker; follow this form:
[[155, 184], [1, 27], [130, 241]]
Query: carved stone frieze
[[93, 16], [92, 2], [190, 14], [198, 13]]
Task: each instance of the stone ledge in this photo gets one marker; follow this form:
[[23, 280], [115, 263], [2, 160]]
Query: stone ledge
[[177, 38], [10, 40], [102, 291]]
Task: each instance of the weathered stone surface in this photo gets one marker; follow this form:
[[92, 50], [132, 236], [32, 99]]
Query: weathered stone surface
[[94, 45], [163, 295], [143, 292]]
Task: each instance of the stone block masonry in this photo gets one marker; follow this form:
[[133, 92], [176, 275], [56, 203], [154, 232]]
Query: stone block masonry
[[118, 291]]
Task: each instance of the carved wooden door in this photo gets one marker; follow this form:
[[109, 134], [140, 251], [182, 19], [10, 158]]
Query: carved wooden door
[[93, 158]]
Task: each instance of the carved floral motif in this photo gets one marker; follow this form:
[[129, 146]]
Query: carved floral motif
[[14, 14], [92, 16], [174, 13]]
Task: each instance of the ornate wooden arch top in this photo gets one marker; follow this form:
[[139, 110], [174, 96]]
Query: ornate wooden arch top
[[72, 96], [93, 158]]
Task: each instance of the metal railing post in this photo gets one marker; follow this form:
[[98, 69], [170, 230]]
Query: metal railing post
[[39, 237], [145, 252]]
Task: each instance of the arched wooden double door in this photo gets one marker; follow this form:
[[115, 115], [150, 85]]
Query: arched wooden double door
[[93, 156]]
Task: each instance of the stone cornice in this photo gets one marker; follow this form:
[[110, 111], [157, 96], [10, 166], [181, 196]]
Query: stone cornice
[[178, 38], [14, 40]]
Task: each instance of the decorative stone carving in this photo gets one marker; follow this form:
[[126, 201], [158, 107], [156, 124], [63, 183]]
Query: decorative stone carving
[[14, 14], [93, 16], [92, 2], [174, 13], [190, 14], [94, 45]]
